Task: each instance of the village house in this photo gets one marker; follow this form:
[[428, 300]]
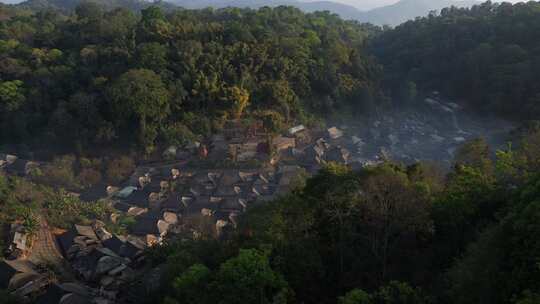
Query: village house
[[123, 248], [20, 241], [302, 135], [239, 141], [74, 293], [95, 193], [139, 198], [244, 150], [3, 161], [98, 256], [296, 129], [125, 192], [338, 154], [173, 203], [281, 143], [230, 178], [334, 133], [314, 154], [146, 224], [197, 205]]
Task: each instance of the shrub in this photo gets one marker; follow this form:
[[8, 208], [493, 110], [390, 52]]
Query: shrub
[[60, 172], [199, 124], [89, 177], [119, 169], [178, 135], [64, 210]]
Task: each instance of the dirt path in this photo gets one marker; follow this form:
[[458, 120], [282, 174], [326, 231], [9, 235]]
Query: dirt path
[[45, 250]]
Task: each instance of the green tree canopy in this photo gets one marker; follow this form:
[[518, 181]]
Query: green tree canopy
[[141, 95]]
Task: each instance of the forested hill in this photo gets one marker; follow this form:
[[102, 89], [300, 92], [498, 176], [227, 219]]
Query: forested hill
[[343, 10], [488, 56], [93, 77], [69, 5], [392, 15]]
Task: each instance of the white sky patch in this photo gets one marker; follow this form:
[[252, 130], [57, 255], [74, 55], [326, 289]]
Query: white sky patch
[[369, 4]]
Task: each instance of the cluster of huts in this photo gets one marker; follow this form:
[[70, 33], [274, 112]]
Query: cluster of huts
[[162, 203], [168, 200]]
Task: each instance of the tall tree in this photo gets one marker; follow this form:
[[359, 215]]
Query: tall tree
[[140, 94]]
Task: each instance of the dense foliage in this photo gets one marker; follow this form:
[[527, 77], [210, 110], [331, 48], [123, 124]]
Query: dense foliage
[[387, 234], [488, 56], [69, 5], [26, 202], [96, 76]]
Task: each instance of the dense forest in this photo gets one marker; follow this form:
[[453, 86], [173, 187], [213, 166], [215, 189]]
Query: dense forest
[[390, 234], [487, 56], [92, 78], [68, 6], [70, 77], [96, 76]]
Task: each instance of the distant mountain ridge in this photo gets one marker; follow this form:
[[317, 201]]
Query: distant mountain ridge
[[344, 10], [408, 9], [388, 15]]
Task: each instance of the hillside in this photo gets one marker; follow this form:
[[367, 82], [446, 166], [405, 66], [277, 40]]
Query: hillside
[[486, 56], [269, 155], [197, 69], [393, 14], [70, 5], [387, 15], [345, 11], [408, 10]]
